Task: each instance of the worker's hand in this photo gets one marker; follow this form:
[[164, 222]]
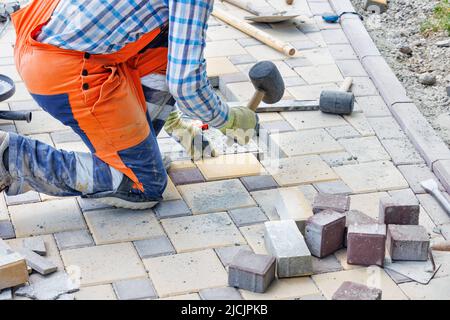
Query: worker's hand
[[241, 125], [189, 135]]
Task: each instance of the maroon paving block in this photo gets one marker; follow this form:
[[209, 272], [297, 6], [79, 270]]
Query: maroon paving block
[[186, 176], [366, 244], [356, 217], [324, 233], [335, 202], [355, 291], [6, 230], [408, 242], [399, 210]]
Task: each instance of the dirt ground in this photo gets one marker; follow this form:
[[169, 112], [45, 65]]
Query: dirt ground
[[413, 54]]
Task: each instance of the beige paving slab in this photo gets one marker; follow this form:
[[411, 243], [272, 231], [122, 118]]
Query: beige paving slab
[[4, 213], [223, 48], [190, 296], [43, 137], [46, 217], [371, 177], [203, 231], [171, 192], [359, 121], [436, 289], [105, 264], [269, 116], [216, 196], [263, 52], [186, 272], [302, 120], [239, 91], [320, 56], [225, 32], [307, 142], [77, 146], [42, 123], [300, 170], [367, 203], [320, 74], [254, 235], [284, 289], [21, 94], [341, 256], [230, 166], [101, 292], [373, 276], [218, 66], [293, 205], [365, 149], [122, 225], [310, 92]]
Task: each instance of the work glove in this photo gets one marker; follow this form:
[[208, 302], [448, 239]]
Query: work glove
[[241, 125], [189, 134]]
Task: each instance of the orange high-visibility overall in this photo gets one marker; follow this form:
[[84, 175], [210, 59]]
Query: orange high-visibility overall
[[99, 95]]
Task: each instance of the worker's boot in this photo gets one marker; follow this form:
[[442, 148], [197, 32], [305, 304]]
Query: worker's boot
[[126, 196], [5, 177]]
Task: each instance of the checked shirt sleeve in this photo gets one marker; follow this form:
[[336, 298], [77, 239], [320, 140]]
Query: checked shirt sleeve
[[186, 70]]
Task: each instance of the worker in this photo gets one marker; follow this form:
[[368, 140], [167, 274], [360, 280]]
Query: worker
[[114, 71]]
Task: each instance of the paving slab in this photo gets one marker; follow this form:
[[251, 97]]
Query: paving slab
[[223, 48], [48, 288], [325, 265], [225, 293], [355, 291], [216, 196], [302, 120], [333, 187], [154, 247], [105, 264], [28, 197], [365, 149], [291, 204], [359, 121], [261, 182], [310, 92], [122, 225], [247, 216], [186, 176], [46, 217], [227, 254], [351, 68], [434, 209], [134, 289], [186, 272], [343, 132], [171, 209], [402, 151], [254, 235], [367, 203], [202, 231], [320, 74], [100, 292], [372, 106], [7, 230], [73, 239], [436, 289], [285, 289]]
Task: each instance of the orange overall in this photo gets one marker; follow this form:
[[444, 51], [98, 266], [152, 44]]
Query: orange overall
[[99, 95]]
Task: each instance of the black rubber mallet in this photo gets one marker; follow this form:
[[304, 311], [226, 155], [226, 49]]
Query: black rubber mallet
[[268, 83], [338, 102]]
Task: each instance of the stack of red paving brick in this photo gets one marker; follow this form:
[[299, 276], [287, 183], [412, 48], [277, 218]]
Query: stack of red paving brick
[[292, 243]]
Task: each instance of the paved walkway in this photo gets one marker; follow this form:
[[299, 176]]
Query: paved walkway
[[211, 207]]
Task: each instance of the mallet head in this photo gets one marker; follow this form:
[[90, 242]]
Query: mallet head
[[266, 77], [336, 102]]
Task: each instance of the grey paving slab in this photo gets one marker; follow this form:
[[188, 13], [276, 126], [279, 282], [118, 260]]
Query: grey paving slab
[[171, 209], [247, 216], [73, 239], [154, 247], [134, 289]]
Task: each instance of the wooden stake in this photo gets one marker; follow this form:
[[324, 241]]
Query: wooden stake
[[260, 35]]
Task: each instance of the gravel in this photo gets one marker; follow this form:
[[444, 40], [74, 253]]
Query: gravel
[[421, 63]]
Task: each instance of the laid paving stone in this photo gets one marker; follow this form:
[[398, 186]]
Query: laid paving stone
[[252, 272], [186, 272], [373, 106], [333, 187], [356, 291], [263, 52], [35, 244], [6, 294], [48, 288], [120, 225], [254, 235], [242, 59], [310, 92], [324, 265], [73, 239], [247, 42], [434, 209], [386, 128], [42, 123], [343, 132], [356, 217], [441, 169], [285, 289], [27, 197], [320, 74], [134, 289], [202, 231], [225, 293], [105, 264], [323, 201], [436, 289], [319, 56], [342, 52], [324, 233], [171, 209], [37, 263], [226, 254], [171, 192], [46, 217], [319, 8], [216, 196], [276, 127], [291, 204], [365, 149], [298, 62], [7, 230], [402, 151], [367, 203], [372, 176], [407, 242], [91, 204], [101, 292], [285, 242], [260, 182], [247, 216], [294, 81], [186, 176], [363, 86], [366, 244], [154, 247], [302, 120], [219, 65], [373, 276], [224, 48], [300, 170], [334, 36], [360, 123], [396, 210], [225, 32], [351, 68], [230, 166], [336, 159]]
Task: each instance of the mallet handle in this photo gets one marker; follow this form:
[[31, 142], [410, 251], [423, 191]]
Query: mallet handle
[[260, 35], [346, 85], [255, 100]]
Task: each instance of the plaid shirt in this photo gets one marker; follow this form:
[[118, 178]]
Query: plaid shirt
[[105, 26]]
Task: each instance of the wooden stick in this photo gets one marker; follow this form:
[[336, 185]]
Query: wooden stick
[[441, 246], [345, 86], [260, 35]]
